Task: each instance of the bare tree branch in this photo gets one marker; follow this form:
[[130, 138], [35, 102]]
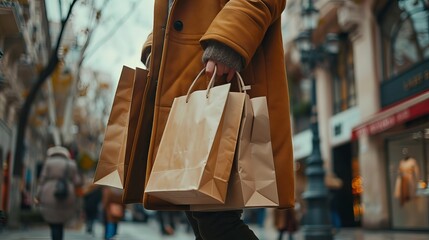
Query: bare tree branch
[[93, 24], [25, 111], [60, 6]]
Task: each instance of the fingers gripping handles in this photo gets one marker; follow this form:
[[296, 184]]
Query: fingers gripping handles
[[241, 86]]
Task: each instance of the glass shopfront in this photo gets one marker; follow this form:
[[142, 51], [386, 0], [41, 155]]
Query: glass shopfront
[[408, 163], [405, 35], [404, 28]]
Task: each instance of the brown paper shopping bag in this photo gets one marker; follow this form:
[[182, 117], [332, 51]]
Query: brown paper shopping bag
[[139, 87], [196, 151], [116, 149], [253, 179], [136, 173]]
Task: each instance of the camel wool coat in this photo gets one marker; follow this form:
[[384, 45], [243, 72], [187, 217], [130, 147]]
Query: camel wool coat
[[252, 28]]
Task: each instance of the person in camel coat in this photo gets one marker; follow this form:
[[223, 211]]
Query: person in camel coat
[[234, 35], [114, 210]]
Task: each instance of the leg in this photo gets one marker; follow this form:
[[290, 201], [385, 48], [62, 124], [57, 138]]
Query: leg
[[194, 225], [225, 225], [56, 231], [110, 230], [89, 225], [280, 235], [261, 217], [336, 221], [165, 228], [172, 219], [115, 228], [61, 230], [160, 219]]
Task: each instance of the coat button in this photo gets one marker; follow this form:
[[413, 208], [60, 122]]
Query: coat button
[[178, 25]]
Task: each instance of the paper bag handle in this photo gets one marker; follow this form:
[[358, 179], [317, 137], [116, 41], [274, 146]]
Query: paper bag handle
[[241, 85], [195, 80]]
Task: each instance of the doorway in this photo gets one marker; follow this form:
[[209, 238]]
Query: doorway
[[347, 198]]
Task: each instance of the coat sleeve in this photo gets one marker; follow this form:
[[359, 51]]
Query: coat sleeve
[[241, 25]]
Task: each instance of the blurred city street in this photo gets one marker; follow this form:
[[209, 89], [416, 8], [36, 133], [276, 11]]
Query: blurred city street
[[90, 82], [150, 231]]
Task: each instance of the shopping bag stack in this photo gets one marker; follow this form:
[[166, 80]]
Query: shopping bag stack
[[215, 152]]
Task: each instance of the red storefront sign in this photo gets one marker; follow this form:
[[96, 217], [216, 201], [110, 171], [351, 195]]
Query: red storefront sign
[[391, 117]]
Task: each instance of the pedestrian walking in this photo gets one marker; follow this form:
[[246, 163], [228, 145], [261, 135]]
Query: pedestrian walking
[[56, 193], [91, 203], [2, 220], [334, 186], [113, 209], [235, 35], [285, 221]]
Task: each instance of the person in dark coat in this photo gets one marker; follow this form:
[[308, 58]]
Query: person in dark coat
[[285, 221], [91, 201]]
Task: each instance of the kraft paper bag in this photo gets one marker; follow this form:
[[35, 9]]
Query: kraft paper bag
[[196, 151], [139, 86], [116, 149], [253, 179], [139, 147]]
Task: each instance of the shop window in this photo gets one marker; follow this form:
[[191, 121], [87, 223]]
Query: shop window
[[405, 35], [408, 157], [344, 88]]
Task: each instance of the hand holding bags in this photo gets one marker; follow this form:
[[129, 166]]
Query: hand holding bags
[[253, 179], [195, 155]]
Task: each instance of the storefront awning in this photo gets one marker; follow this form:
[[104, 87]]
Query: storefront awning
[[386, 119]]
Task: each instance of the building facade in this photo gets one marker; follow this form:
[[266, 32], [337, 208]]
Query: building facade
[[25, 45], [373, 104], [71, 108]]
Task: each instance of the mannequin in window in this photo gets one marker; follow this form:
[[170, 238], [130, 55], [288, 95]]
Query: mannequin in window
[[407, 180]]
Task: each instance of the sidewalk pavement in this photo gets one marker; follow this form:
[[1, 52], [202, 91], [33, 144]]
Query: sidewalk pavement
[[150, 231]]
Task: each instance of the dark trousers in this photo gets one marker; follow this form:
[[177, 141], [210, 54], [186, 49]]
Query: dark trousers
[[281, 235], [57, 231], [90, 226], [225, 225], [111, 229], [166, 220]]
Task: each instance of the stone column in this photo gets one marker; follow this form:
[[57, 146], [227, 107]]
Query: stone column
[[359, 19], [324, 107]]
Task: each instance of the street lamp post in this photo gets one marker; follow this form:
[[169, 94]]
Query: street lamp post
[[317, 225]]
